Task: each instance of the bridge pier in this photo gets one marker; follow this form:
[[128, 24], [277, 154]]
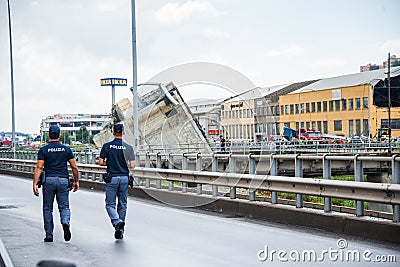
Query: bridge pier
[[383, 177]]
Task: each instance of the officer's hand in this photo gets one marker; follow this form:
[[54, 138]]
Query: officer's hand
[[76, 186], [35, 190]]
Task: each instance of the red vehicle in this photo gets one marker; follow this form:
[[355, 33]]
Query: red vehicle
[[5, 143], [310, 134]]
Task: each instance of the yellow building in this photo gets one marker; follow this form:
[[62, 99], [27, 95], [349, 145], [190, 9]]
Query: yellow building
[[344, 105]]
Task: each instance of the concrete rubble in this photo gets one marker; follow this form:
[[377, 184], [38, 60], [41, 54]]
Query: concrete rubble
[[166, 123]]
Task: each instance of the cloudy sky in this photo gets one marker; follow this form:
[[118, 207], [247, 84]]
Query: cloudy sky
[[63, 47]]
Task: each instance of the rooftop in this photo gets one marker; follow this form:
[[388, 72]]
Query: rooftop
[[361, 78]]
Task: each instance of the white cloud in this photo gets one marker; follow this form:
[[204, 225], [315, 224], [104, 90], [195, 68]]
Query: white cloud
[[215, 33], [392, 46], [176, 13], [292, 50]]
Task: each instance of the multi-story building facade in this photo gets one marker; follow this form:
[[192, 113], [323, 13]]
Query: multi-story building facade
[[370, 67], [343, 105], [254, 115], [71, 123], [207, 113]]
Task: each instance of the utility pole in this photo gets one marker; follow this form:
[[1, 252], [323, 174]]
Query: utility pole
[[12, 81]]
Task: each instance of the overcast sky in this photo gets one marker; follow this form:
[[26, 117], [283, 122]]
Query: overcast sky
[[63, 47]]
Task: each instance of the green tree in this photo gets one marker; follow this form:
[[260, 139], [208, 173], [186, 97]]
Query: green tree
[[65, 138], [82, 135]]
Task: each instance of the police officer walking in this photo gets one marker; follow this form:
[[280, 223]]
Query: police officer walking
[[53, 158], [119, 157]]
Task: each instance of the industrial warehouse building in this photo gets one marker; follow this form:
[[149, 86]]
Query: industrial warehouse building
[[348, 105]]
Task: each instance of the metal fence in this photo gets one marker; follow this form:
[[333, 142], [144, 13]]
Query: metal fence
[[189, 169]]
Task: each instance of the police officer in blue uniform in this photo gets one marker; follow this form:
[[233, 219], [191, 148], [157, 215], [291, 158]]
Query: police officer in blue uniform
[[119, 157], [53, 158]]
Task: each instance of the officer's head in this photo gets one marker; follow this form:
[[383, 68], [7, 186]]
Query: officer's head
[[54, 132], [118, 130]]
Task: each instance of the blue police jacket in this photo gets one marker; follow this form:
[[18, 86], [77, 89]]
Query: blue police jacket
[[55, 156]]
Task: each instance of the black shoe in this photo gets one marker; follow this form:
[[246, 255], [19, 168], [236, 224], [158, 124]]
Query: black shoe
[[67, 232], [118, 230], [48, 239]]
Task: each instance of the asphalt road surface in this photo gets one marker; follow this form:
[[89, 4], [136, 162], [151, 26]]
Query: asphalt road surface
[[158, 235]]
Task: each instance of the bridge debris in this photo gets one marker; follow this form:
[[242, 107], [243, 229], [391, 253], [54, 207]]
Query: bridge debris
[[166, 123]]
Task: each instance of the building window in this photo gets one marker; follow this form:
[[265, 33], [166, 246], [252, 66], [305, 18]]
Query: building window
[[319, 127], [291, 109], [366, 127], [358, 103], [337, 125], [318, 106], [337, 105], [286, 109], [351, 104], [308, 125], [331, 105], [325, 106], [297, 108], [351, 127], [314, 125], [365, 102], [307, 107], [240, 113], [344, 104], [358, 127], [325, 124], [282, 110], [313, 107]]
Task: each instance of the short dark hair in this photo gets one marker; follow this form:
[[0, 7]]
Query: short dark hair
[[54, 132], [54, 135], [118, 129]]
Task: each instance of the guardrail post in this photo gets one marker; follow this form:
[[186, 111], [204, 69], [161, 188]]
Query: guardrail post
[[232, 169], [299, 173], [171, 167], [158, 182], [93, 162], [147, 165], [86, 162], [396, 180], [79, 161], [214, 167], [327, 175], [199, 167], [184, 167], [274, 172], [358, 174], [137, 160], [252, 170]]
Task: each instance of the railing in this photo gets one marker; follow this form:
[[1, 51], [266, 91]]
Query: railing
[[282, 147], [357, 190]]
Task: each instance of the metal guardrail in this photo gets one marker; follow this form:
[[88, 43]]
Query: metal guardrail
[[5, 260], [354, 190]]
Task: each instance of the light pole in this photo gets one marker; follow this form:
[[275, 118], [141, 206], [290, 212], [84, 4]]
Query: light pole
[[134, 80], [12, 81]]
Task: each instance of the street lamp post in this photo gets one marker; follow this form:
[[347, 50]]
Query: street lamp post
[[12, 81], [134, 80]]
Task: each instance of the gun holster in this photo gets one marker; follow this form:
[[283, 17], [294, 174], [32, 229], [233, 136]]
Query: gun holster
[[130, 181], [70, 183], [107, 178], [42, 179]]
